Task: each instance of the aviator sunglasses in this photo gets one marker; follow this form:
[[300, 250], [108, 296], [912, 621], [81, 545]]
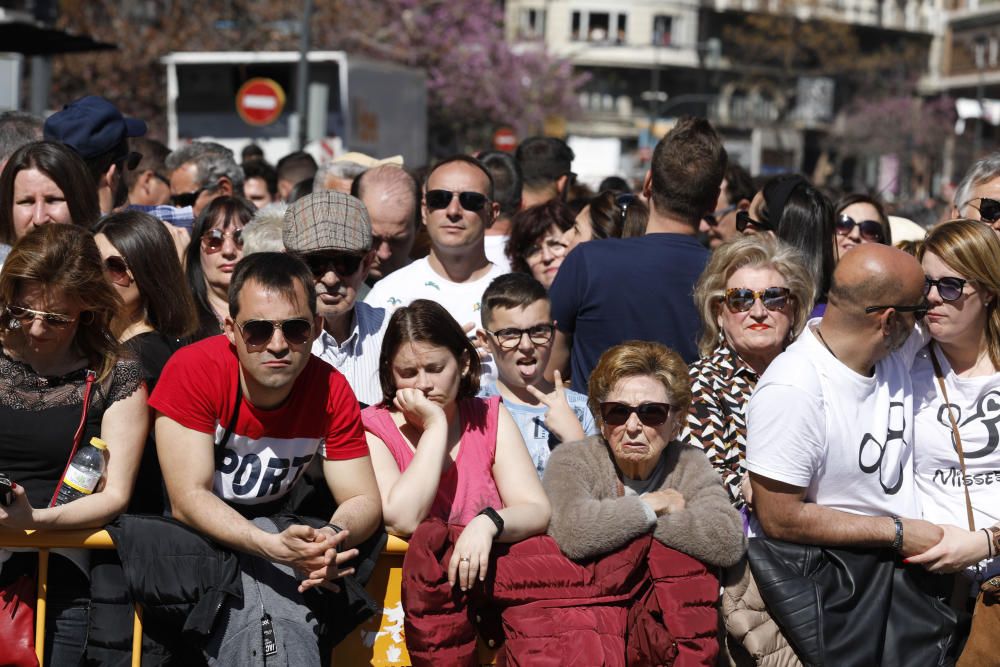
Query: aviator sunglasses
[[989, 209], [117, 270], [258, 333], [213, 239], [741, 299], [26, 315], [870, 230], [470, 201], [949, 288], [650, 414]]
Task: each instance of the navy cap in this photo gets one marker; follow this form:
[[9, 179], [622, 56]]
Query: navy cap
[[92, 126]]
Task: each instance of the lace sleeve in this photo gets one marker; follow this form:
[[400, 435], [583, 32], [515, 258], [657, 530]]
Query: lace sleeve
[[125, 379]]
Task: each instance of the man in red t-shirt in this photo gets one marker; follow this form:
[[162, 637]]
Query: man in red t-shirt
[[239, 417]]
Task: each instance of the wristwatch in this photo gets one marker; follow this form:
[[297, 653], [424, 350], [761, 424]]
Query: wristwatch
[[495, 517]]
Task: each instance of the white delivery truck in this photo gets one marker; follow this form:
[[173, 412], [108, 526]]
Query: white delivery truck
[[354, 104]]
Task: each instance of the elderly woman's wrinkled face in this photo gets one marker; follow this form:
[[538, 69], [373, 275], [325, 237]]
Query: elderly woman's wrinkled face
[[637, 445], [764, 329]]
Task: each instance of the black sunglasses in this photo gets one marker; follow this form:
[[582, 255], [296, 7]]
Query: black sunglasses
[[650, 414], [187, 198], [870, 230], [989, 209], [470, 201], [741, 299], [918, 311], [743, 220], [712, 219], [258, 333], [949, 288], [510, 338], [343, 264]]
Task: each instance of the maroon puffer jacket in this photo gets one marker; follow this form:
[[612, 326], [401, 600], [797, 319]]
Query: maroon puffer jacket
[[644, 604]]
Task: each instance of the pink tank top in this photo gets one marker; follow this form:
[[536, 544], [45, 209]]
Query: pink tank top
[[467, 486]]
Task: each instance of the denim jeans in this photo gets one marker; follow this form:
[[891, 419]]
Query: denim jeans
[[66, 634]]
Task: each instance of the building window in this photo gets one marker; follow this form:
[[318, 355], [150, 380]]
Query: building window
[[598, 27], [577, 23], [620, 35], [531, 25], [662, 30]]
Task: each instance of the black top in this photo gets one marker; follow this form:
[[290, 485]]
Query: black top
[[152, 349], [40, 415]]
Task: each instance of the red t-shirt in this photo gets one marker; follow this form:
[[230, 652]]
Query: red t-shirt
[[268, 449]]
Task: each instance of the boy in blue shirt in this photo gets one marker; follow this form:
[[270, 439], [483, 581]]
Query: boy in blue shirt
[[518, 331]]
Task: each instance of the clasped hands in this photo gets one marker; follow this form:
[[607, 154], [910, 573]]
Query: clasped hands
[[315, 553]]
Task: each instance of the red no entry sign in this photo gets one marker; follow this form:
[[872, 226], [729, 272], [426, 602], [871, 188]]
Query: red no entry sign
[[260, 101], [504, 139]]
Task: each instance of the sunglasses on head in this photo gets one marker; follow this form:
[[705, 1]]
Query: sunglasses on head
[[117, 270], [949, 288], [623, 201], [870, 230], [743, 220], [989, 209], [650, 414], [343, 264], [510, 337], [741, 299], [213, 239], [918, 311], [26, 315], [470, 201], [258, 333], [712, 219]]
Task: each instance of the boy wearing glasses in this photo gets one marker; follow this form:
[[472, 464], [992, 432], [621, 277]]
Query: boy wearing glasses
[[517, 330], [238, 419]]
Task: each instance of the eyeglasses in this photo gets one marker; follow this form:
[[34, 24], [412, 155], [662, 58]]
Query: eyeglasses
[[343, 264], [470, 201], [26, 315], [554, 246], [918, 311], [187, 198], [213, 239], [870, 230], [117, 270], [650, 414], [741, 299], [989, 209], [743, 220], [623, 201], [166, 181], [510, 338], [949, 288], [258, 333], [712, 219]]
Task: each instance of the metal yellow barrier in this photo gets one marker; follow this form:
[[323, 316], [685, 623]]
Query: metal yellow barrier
[[63, 539]]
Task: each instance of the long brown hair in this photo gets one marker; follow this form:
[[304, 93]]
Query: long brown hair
[[65, 258]]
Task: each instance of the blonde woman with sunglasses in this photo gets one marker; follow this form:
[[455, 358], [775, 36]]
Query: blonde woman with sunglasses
[[60, 375]]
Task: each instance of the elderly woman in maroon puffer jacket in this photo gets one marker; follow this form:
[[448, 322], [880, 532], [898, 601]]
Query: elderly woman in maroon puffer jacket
[[636, 478]]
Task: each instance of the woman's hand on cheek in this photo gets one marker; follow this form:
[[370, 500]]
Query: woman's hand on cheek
[[419, 410]]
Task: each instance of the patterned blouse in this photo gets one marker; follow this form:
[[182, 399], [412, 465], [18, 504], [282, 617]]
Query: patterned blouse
[[721, 384]]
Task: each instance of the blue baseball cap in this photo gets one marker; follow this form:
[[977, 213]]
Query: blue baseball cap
[[93, 126]]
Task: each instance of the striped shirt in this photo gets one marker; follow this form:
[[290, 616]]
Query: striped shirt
[[357, 357]]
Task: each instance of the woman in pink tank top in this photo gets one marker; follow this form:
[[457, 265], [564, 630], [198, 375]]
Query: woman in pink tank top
[[440, 452]]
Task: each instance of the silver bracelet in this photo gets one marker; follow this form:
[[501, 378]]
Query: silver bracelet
[[897, 541]]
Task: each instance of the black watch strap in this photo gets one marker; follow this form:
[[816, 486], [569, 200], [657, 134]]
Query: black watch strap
[[495, 517]]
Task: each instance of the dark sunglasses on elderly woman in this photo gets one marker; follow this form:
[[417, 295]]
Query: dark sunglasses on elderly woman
[[470, 201], [870, 230], [989, 209], [650, 414], [741, 299]]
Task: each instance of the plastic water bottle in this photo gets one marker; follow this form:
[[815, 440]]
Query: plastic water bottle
[[84, 472]]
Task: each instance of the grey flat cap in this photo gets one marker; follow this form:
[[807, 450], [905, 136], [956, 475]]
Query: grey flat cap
[[327, 221]]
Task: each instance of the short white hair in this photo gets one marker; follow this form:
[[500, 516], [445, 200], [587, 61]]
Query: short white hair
[[263, 232]]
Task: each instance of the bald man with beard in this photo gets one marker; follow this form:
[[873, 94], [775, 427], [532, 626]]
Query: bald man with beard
[[830, 426]]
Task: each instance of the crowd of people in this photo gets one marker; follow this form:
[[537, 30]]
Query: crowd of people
[[702, 419]]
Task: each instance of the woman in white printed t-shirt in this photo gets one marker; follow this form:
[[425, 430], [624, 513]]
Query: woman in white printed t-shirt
[[961, 283]]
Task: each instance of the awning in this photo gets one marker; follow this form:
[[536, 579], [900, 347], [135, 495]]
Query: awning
[[32, 39]]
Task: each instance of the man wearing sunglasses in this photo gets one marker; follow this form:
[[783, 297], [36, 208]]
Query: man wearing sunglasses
[[458, 208], [332, 233], [735, 195], [200, 172], [239, 418], [978, 195], [830, 425]]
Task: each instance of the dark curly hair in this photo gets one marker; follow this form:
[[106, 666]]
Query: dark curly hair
[[531, 225]]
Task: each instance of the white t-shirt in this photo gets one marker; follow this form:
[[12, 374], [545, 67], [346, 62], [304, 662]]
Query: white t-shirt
[[419, 281], [812, 422], [975, 403], [496, 245]]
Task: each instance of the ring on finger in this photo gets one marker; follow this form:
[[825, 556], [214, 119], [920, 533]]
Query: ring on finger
[[464, 559]]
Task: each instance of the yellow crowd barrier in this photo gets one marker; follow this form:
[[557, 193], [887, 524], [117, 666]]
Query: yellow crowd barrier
[[62, 539], [379, 642]]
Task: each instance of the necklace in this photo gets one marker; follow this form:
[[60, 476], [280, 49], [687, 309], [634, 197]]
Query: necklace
[[825, 344]]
